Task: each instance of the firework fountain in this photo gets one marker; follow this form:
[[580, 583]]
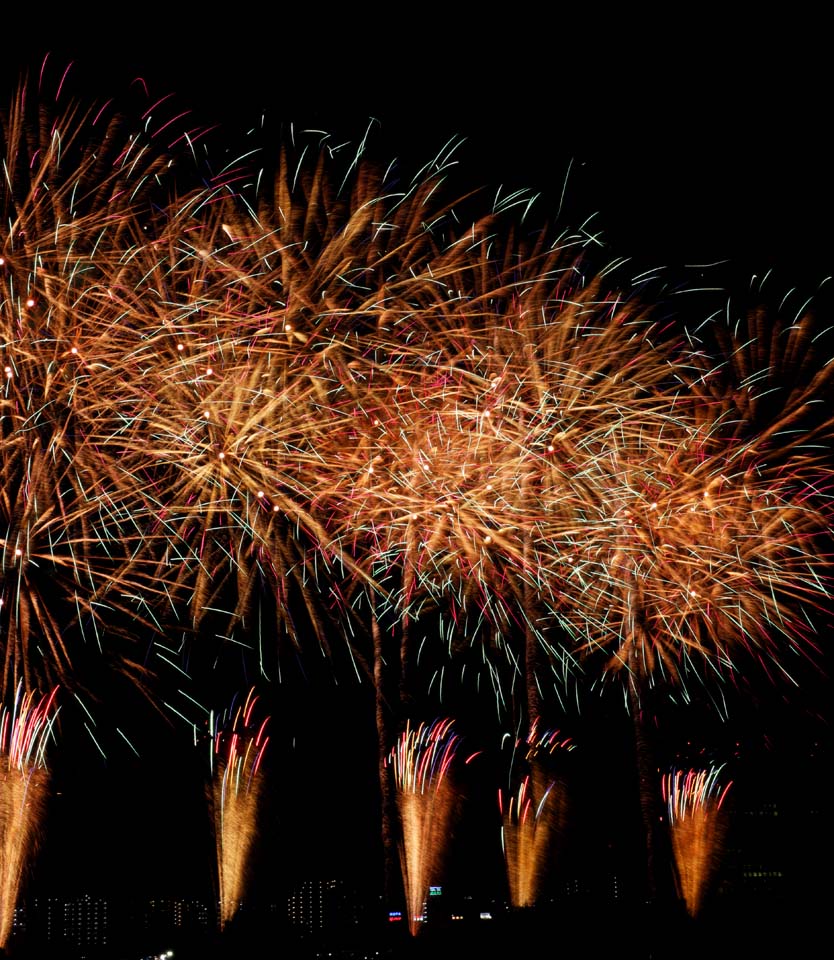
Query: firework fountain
[[25, 731], [238, 743], [533, 814], [426, 802], [696, 815]]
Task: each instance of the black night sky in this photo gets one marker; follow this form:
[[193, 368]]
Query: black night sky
[[711, 161]]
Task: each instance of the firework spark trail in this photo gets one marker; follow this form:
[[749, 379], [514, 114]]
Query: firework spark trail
[[533, 813], [420, 763], [769, 368], [25, 731], [238, 742], [697, 820]]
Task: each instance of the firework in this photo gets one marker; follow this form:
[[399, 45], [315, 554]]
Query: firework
[[72, 518], [420, 763], [25, 731], [696, 816], [338, 407], [238, 742], [498, 441], [719, 546], [533, 814], [470, 441], [692, 555], [302, 416], [694, 559]]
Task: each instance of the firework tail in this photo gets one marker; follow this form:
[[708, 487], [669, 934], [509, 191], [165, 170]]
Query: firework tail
[[238, 742], [533, 814], [696, 816], [24, 733], [426, 803]]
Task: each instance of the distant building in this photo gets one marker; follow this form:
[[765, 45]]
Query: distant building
[[168, 915], [319, 907], [90, 926], [80, 924], [20, 921]]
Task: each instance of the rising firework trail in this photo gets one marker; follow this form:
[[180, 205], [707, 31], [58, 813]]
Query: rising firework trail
[[696, 815], [533, 813], [426, 802], [25, 731], [238, 742]]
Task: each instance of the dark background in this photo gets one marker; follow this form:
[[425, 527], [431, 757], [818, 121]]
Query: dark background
[[687, 142]]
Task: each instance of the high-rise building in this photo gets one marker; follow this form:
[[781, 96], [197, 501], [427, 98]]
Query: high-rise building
[[324, 906], [80, 923]]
